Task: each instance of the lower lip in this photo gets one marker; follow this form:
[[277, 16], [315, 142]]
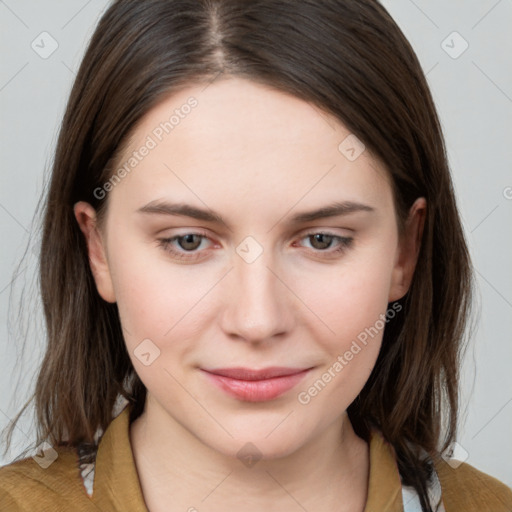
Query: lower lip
[[256, 390]]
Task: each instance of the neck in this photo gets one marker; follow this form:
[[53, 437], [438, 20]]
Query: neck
[[176, 469]]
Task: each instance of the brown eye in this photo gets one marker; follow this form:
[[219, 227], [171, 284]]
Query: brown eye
[[187, 246], [189, 242], [321, 240], [327, 243]]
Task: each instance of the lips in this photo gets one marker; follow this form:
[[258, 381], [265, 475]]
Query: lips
[[248, 374], [255, 385]]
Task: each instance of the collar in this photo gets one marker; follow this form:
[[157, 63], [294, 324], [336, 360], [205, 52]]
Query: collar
[[384, 486], [116, 482], [112, 481]]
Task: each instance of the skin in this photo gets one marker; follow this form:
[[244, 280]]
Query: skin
[[257, 157]]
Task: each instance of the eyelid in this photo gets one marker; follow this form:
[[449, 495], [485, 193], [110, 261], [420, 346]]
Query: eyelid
[[326, 231]]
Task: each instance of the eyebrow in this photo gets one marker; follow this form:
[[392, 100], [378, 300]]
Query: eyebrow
[[186, 210]]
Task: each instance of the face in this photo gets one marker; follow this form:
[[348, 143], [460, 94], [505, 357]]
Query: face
[[248, 277]]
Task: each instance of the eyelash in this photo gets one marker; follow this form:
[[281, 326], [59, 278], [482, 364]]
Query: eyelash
[[344, 244]]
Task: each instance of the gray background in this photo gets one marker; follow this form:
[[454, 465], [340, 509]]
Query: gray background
[[473, 93]]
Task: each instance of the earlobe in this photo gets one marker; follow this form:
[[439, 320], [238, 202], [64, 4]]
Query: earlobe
[[408, 251], [86, 218]]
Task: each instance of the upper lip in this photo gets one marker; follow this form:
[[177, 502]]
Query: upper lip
[[250, 374]]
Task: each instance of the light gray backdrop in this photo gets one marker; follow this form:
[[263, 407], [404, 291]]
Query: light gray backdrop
[[464, 47]]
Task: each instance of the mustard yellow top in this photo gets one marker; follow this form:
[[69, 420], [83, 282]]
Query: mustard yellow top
[[26, 486]]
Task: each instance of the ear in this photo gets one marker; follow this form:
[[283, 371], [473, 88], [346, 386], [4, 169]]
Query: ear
[[86, 217], [408, 250]]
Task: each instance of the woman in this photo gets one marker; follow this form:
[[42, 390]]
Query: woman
[[254, 274]]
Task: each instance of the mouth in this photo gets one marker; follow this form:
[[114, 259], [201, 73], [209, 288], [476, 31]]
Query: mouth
[[255, 385]]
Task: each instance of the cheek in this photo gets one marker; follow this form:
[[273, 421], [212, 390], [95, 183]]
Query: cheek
[[158, 308], [351, 303], [153, 296], [348, 298]]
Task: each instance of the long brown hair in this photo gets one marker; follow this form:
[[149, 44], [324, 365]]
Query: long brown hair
[[349, 59]]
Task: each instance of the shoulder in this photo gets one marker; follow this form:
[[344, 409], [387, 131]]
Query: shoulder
[[466, 489], [26, 485]]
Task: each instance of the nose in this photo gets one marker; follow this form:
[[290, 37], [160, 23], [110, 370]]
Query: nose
[[258, 305]]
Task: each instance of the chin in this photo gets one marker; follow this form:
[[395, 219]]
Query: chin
[[258, 444]]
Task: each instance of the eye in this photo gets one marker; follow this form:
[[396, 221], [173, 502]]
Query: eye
[[183, 246], [320, 241], [188, 245]]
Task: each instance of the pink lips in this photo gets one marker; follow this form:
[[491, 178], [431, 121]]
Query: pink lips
[[256, 385]]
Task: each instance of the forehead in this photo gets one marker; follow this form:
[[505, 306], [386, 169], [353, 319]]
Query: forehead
[[248, 142]]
